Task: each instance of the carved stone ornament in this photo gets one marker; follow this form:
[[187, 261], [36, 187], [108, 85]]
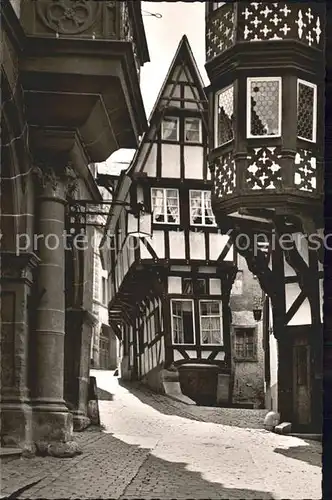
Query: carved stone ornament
[[51, 177], [69, 17], [18, 267]]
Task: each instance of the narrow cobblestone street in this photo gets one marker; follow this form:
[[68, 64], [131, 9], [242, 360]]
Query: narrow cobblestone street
[[154, 447]]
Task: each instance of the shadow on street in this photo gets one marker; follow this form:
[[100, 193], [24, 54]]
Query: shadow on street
[[307, 454]]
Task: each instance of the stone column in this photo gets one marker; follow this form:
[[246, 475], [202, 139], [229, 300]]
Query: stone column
[[16, 281], [52, 422]]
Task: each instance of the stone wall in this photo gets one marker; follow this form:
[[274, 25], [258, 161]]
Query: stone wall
[[248, 375]]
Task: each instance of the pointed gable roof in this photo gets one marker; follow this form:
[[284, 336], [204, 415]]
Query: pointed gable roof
[[183, 58], [183, 54]]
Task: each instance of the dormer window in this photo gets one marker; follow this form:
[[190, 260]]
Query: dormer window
[[165, 206], [192, 130], [201, 213], [170, 129], [264, 107]]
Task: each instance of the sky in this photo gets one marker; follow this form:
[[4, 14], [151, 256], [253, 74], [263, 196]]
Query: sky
[[163, 36]]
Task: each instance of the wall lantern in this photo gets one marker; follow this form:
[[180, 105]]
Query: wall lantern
[[258, 307], [139, 222]]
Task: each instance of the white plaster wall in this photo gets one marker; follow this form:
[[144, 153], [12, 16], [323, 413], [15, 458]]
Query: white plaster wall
[[151, 161], [193, 162], [170, 157], [16, 4], [158, 244], [303, 314], [176, 244], [197, 245]]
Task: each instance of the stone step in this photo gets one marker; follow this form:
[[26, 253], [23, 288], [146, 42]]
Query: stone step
[[7, 454]]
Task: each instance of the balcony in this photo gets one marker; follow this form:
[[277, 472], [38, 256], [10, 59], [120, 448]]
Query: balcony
[[251, 22], [80, 72]]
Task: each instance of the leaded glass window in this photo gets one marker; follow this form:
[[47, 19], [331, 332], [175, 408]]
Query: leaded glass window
[[306, 110], [211, 322], [224, 116], [263, 107]]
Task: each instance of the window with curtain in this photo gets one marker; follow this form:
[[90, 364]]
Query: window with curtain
[[165, 205], [170, 129], [201, 213], [211, 322], [183, 330], [192, 130]]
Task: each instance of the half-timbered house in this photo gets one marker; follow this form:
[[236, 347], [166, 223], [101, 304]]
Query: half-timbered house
[[171, 283]]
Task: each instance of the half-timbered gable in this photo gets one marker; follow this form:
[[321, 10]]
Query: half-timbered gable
[[171, 283]]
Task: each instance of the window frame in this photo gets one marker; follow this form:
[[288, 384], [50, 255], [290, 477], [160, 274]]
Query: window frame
[[176, 223], [219, 302], [314, 111], [246, 359], [203, 224], [179, 299], [200, 138], [177, 119], [248, 105], [216, 106]]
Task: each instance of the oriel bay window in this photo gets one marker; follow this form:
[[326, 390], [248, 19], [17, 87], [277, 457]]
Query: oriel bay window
[[170, 129], [165, 205], [210, 322], [264, 107], [224, 116], [183, 325], [201, 213], [306, 110]]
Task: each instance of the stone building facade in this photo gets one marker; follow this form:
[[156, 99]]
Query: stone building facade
[[63, 108]]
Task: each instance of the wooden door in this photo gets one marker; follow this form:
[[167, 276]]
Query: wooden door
[[302, 382]]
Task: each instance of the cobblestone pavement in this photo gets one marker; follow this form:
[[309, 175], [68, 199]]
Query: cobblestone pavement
[[152, 447]]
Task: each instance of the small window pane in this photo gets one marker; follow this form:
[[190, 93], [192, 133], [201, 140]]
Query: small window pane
[[170, 129], [187, 285], [245, 346], [225, 116], [264, 107], [165, 205], [305, 111], [211, 322], [183, 322], [201, 288], [200, 208], [192, 130]]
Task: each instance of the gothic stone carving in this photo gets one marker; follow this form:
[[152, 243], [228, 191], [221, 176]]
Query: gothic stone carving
[[52, 176], [18, 267], [73, 18]]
